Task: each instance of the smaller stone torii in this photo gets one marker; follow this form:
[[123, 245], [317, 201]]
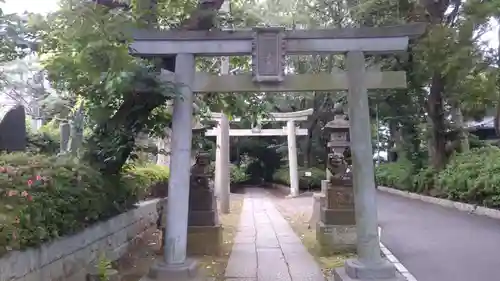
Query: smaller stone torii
[[223, 132]]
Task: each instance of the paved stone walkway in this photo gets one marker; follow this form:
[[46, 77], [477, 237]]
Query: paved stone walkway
[[266, 248]]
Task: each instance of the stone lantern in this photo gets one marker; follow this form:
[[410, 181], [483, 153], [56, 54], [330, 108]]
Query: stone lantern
[[338, 150], [336, 229]]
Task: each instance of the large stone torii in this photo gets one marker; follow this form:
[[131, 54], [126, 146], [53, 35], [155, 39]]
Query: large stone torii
[[268, 47], [222, 132]]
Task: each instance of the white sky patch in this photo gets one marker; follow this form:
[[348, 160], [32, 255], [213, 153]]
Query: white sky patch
[[32, 6], [47, 6]]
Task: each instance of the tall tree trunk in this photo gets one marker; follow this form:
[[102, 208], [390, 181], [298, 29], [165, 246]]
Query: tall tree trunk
[[458, 119], [163, 144], [435, 111], [391, 145], [497, 115], [113, 140]]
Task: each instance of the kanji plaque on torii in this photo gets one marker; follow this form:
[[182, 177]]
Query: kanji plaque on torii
[[268, 54]]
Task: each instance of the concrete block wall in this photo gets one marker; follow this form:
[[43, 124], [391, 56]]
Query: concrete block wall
[[68, 258]]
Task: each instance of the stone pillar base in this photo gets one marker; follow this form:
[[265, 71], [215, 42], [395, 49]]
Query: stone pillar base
[[204, 240], [336, 238], [203, 218], [188, 271], [318, 204], [340, 274], [337, 216]]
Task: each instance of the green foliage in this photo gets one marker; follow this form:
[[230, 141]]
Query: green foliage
[[103, 267], [282, 176], [260, 157], [238, 174], [43, 143], [13, 37], [396, 174], [471, 177], [45, 197], [145, 176], [424, 181]]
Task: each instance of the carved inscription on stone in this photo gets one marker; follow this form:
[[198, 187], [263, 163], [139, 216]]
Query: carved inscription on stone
[[268, 54], [340, 198]]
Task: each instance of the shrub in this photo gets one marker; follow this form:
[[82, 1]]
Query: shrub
[[44, 197], [424, 181], [395, 174], [313, 181], [147, 178], [148, 174], [473, 177], [238, 174], [282, 176], [42, 143]]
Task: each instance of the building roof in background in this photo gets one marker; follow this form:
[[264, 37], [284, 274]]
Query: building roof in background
[[488, 122]]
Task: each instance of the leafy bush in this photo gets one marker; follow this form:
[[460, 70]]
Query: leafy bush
[[147, 174], [146, 177], [314, 181], [282, 176], [473, 177], [238, 174], [44, 197], [42, 143], [395, 174], [424, 181]]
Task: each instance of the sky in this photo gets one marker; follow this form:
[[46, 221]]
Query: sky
[[33, 6], [36, 6]]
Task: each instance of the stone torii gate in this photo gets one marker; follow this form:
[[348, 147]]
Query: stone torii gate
[[268, 47], [222, 132]]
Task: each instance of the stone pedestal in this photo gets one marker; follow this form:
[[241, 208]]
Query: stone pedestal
[[336, 229], [204, 229], [187, 271], [318, 203]]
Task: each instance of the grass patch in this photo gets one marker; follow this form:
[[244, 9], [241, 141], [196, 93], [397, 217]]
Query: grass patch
[[300, 225], [215, 266]]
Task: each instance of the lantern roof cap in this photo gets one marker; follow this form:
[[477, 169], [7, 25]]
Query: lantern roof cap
[[339, 122]]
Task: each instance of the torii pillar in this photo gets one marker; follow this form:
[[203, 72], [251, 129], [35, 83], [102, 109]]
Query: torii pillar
[[292, 158]]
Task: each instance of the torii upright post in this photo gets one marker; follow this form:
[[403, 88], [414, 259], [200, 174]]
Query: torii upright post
[[224, 169], [292, 158], [222, 156], [175, 250]]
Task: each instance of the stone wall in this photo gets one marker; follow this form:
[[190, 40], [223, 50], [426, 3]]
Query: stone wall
[[69, 258]]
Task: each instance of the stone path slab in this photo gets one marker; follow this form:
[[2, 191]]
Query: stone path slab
[[266, 248]]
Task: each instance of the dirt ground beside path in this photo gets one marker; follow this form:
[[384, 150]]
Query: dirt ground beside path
[[136, 262], [297, 211]]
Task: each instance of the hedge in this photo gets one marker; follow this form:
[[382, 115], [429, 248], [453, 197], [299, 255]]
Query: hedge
[[145, 178], [45, 197], [238, 174], [282, 176], [472, 177], [395, 174]]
